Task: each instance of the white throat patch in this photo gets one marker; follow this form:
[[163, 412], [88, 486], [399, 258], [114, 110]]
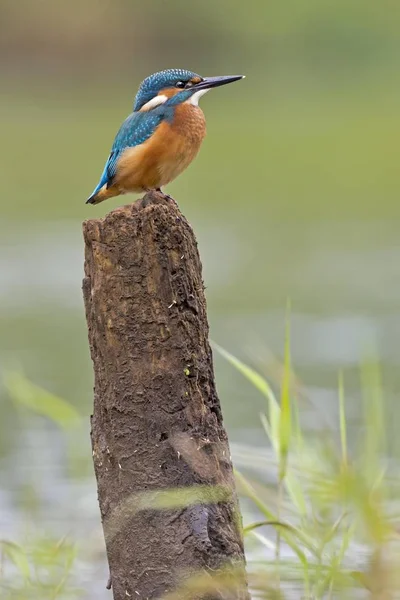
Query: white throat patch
[[156, 101], [194, 98]]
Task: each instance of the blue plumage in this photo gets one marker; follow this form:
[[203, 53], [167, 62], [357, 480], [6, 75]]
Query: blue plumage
[[159, 81], [139, 126], [174, 86], [135, 130]]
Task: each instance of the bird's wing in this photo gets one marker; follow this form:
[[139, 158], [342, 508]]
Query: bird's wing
[[135, 130]]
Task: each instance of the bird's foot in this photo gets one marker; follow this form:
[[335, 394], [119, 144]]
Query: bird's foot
[[166, 196]]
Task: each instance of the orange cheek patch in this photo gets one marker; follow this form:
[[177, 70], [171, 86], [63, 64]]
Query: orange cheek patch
[[169, 92]]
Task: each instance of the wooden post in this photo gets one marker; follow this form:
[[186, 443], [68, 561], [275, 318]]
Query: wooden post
[[157, 422]]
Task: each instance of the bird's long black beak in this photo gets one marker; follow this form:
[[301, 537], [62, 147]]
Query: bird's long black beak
[[211, 82]]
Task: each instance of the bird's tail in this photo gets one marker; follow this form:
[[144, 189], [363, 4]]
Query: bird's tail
[[103, 194]]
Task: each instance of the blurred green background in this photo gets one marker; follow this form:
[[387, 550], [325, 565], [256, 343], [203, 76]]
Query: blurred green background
[[294, 195]]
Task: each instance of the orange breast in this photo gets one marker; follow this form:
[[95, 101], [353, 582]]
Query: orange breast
[[181, 141], [166, 154]]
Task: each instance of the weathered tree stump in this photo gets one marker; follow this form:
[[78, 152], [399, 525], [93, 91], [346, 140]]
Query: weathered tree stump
[[157, 420]]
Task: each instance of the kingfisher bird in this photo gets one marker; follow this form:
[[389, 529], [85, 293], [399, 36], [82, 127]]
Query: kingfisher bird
[[162, 135]]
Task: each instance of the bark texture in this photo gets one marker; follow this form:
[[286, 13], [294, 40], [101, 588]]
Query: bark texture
[[157, 420]]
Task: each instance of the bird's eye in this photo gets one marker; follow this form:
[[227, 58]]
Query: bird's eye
[[180, 84]]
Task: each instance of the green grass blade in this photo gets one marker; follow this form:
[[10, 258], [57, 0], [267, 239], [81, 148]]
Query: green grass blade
[[245, 488], [374, 446], [285, 421], [259, 383], [17, 556], [342, 420], [28, 395]]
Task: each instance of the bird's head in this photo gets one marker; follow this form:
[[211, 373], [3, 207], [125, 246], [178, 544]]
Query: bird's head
[[176, 86]]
